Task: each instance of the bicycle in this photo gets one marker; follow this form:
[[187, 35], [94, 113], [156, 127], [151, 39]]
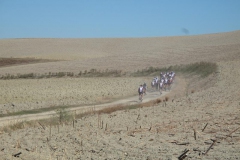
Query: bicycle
[[141, 96]]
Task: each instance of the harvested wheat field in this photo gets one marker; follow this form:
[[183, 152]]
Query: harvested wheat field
[[199, 118]]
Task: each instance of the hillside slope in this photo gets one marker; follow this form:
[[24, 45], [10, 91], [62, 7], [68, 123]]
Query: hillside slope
[[125, 54]]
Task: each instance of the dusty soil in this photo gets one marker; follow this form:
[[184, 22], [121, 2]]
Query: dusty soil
[[200, 113]]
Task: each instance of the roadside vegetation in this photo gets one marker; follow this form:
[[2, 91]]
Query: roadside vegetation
[[35, 111], [63, 115]]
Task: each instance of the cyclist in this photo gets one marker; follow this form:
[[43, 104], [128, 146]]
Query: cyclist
[[140, 92]]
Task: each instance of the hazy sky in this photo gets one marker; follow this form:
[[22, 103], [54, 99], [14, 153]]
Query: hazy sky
[[116, 18]]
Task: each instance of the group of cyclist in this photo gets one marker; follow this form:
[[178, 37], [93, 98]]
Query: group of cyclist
[[166, 78]]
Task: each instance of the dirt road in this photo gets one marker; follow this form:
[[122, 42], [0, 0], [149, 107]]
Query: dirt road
[[152, 94]]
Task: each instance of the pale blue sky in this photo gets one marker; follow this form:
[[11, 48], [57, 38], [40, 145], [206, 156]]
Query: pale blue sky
[[116, 18]]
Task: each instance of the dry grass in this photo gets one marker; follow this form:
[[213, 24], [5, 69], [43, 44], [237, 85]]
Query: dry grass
[[158, 101], [110, 110], [166, 98], [21, 61]]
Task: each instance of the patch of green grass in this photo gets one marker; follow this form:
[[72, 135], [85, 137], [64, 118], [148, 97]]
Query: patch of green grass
[[35, 111], [63, 115], [202, 69]]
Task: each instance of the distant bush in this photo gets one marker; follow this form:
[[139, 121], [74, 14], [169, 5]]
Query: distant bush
[[25, 76], [99, 73], [60, 74]]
